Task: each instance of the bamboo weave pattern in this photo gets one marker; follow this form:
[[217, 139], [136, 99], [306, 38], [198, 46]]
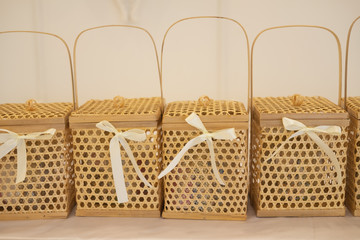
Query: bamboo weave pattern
[[132, 106], [215, 108], [301, 176], [191, 189], [48, 188], [94, 179], [285, 105], [353, 165], [42, 111]]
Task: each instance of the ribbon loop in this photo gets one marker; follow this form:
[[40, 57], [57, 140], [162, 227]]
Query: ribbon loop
[[115, 156], [10, 140], [293, 125], [194, 120]]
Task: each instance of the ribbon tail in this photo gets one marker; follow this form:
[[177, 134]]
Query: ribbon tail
[[132, 159], [193, 142], [213, 161], [21, 161], [118, 172], [7, 147], [329, 152]]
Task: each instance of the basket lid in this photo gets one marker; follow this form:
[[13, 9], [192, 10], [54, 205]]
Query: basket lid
[[216, 111], [40, 113], [130, 109], [353, 106], [274, 108]]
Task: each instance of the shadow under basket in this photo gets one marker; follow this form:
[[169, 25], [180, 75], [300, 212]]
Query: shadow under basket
[[300, 180], [191, 190], [48, 188], [95, 187], [353, 165]]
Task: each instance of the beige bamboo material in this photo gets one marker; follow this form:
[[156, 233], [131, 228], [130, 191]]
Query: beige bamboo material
[[110, 26], [48, 188], [191, 190], [299, 26], [347, 58], [67, 50], [352, 105], [95, 187], [212, 17], [300, 180]]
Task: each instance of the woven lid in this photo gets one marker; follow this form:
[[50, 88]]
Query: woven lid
[[215, 111], [131, 109], [19, 114], [353, 106], [274, 108]]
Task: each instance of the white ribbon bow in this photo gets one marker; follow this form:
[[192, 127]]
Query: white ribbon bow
[[293, 125], [11, 140], [195, 121], [115, 156]]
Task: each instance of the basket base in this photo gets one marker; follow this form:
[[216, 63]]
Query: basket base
[[354, 211], [117, 213], [37, 216], [34, 216], [203, 216], [339, 212]]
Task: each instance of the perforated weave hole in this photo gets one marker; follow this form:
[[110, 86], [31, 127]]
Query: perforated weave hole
[[41, 111], [300, 176], [132, 106], [49, 184], [191, 187], [285, 105], [94, 179], [214, 108], [353, 103], [353, 166]]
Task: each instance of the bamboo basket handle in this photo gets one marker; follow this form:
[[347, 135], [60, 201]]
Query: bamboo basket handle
[[346, 60], [67, 49], [110, 26], [300, 26], [211, 17]]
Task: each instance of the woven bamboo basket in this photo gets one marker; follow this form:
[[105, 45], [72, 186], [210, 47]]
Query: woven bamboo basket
[[96, 188], [46, 189], [191, 189], [298, 176], [352, 105]]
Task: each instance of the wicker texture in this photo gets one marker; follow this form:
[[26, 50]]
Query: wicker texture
[[274, 105], [48, 189], [353, 106], [300, 180], [41, 111], [215, 108], [95, 188], [132, 106], [353, 165], [191, 189]]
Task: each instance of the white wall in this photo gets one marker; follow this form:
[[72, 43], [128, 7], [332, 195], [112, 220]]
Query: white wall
[[201, 57]]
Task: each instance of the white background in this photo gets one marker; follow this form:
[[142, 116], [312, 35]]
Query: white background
[[201, 57]]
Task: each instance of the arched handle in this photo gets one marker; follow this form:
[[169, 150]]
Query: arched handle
[[299, 26], [110, 26], [347, 58], [211, 17], [67, 49]]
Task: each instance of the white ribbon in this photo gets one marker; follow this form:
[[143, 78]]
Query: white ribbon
[[115, 156], [11, 140], [195, 121], [293, 125]]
